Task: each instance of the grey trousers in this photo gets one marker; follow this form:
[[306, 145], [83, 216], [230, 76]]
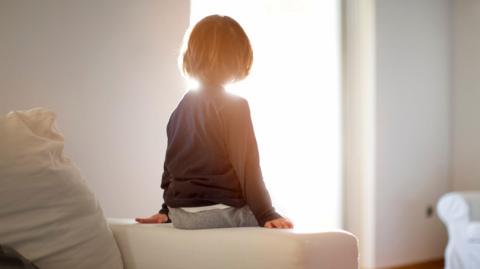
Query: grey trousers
[[215, 218]]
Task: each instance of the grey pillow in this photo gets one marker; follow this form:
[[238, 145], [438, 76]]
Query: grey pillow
[[47, 211]]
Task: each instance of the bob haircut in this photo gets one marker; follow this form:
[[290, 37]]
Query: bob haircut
[[218, 51]]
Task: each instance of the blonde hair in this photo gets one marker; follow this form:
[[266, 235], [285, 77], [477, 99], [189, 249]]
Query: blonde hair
[[218, 51]]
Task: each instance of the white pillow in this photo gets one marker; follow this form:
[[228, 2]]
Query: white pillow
[[47, 212]]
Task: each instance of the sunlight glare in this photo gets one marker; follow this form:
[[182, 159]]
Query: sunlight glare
[[192, 84]]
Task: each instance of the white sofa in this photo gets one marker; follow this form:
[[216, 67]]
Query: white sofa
[[460, 211], [145, 246]]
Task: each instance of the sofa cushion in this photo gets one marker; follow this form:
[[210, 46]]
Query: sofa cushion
[[47, 212]]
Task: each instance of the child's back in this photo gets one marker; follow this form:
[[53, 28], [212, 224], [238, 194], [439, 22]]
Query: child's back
[[212, 155]]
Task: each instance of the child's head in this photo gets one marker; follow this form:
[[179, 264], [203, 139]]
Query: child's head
[[218, 51]]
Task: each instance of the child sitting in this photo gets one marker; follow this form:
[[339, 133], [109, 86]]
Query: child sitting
[[212, 176]]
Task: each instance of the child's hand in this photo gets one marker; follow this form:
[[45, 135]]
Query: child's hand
[[157, 218], [281, 223]]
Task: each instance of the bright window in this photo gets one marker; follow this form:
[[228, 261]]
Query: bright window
[[294, 94]]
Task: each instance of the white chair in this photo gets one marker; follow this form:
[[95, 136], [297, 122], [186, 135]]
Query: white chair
[[460, 211]]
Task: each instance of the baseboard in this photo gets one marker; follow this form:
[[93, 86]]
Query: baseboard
[[434, 264]]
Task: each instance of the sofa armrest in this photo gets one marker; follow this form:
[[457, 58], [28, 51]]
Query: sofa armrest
[[459, 206], [146, 246]]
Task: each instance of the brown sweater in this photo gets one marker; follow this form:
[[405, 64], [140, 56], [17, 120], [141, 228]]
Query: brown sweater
[[212, 155]]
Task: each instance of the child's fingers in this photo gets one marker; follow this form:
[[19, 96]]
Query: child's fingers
[[279, 224], [287, 224], [282, 224], [139, 220], [146, 220]]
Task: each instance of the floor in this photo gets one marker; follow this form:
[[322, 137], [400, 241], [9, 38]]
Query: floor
[[428, 265]]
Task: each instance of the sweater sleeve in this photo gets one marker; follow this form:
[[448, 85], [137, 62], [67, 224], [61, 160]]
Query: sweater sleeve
[[243, 153], [166, 178], [164, 186]]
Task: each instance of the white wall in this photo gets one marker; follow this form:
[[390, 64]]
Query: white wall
[[412, 167], [466, 95], [109, 70]]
